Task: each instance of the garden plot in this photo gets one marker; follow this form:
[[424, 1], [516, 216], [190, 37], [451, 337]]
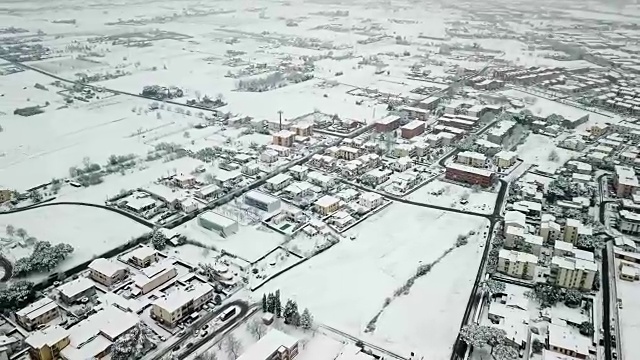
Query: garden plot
[[537, 150], [90, 231], [18, 91], [278, 260], [346, 286], [456, 196], [306, 245]]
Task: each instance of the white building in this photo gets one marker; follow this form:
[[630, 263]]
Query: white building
[[505, 159], [370, 200], [175, 306], [517, 264], [219, 223], [275, 345], [262, 201], [573, 273], [107, 272], [471, 158], [278, 182]]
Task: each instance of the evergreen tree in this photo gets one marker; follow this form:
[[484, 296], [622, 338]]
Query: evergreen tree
[[306, 320], [158, 240], [271, 303], [264, 302], [278, 304], [291, 315]]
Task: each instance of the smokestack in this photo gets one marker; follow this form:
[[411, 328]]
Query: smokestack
[[280, 113]]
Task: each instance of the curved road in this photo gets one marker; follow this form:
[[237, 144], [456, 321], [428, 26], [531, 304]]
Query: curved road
[[8, 268]]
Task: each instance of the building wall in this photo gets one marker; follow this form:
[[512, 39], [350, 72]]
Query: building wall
[[173, 318], [146, 261], [5, 195], [45, 318], [148, 287], [516, 268], [78, 296], [410, 133], [570, 234], [326, 210], [468, 177], [573, 279]]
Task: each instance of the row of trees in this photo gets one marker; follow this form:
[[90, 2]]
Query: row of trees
[[16, 295], [271, 303], [44, 258], [548, 295]]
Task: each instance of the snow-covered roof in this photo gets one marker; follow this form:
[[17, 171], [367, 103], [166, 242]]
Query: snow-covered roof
[[142, 252], [37, 308], [180, 297], [472, 155], [47, 336], [284, 133], [106, 267], [388, 119], [299, 169], [563, 337], [140, 203], [517, 256], [515, 217], [626, 175], [216, 218], [352, 352], [412, 125], [370, 196], [574, 264], [75, 287], [279, 179], [261, 197], [209, 189], [327, 201], [506, 155], [470, 169], [267, 345]]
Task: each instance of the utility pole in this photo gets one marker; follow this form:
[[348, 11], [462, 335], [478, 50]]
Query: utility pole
[[280, 113]]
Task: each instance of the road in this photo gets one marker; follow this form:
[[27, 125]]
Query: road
[[366, 344], [244, 309], [459, 346], [8, 268]]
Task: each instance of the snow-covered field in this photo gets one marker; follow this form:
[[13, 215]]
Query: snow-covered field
[[452, 195], [90, 231], [536, 150], [346, 286]]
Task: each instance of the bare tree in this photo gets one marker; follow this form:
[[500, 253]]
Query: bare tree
[[207, 356], [232, 346], [11, 230], [257, 328]]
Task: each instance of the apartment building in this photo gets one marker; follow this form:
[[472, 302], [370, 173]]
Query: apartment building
[[284, 138], [303, 129], [262, 201], [278, 182], [517, 264], [505, 159], [37, 313], [412, 129], [571, 230], [573, 273], [625, 181], [46, 344], [471, 158], [370, 200], [175, 306], [550, 231], [629, 222], [276, 345], [154, 276], [470, 175], [347, 153], [387, 123]]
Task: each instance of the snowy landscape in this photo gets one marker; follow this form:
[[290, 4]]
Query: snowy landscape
[[319, 180]]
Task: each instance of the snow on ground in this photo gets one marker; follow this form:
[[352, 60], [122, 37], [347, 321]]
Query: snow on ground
[[346, 286], [271, 264], [536, 150], [482, 201], [250, 242], [90, 231], [433, 303], [629, 292]]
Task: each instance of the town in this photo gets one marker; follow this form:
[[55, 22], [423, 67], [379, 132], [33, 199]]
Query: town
[[319, 180]]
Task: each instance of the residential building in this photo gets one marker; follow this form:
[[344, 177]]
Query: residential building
[[218, 223], [250, 169], [269, 156], [628, 272], [299, 172], [40, 312], [573, 273], [501, 131], [275, 345], [153, 276], [347, 153], [629, 222], [505, 159], [142, 256], [470, 175], [404, 150], [76, 289], [550, 231], [262, 201], [376, 177], [107, 272], [571, 230], [625, 181], [514, 218], [47, 343], [188, 204], [471, 158], [517, 264], [303, 129], [401, 164], [5, 195], [429, 103], [370, 200], [184, 181], [414, 112], [280, 150], [387, 123], [567, 341], [284, 138], [207, 192], [322, 180], [278, 182], [298, 189], [412, 129], [175, 306], [327, 205]]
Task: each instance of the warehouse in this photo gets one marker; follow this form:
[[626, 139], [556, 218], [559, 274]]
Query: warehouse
[[216, 222]]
